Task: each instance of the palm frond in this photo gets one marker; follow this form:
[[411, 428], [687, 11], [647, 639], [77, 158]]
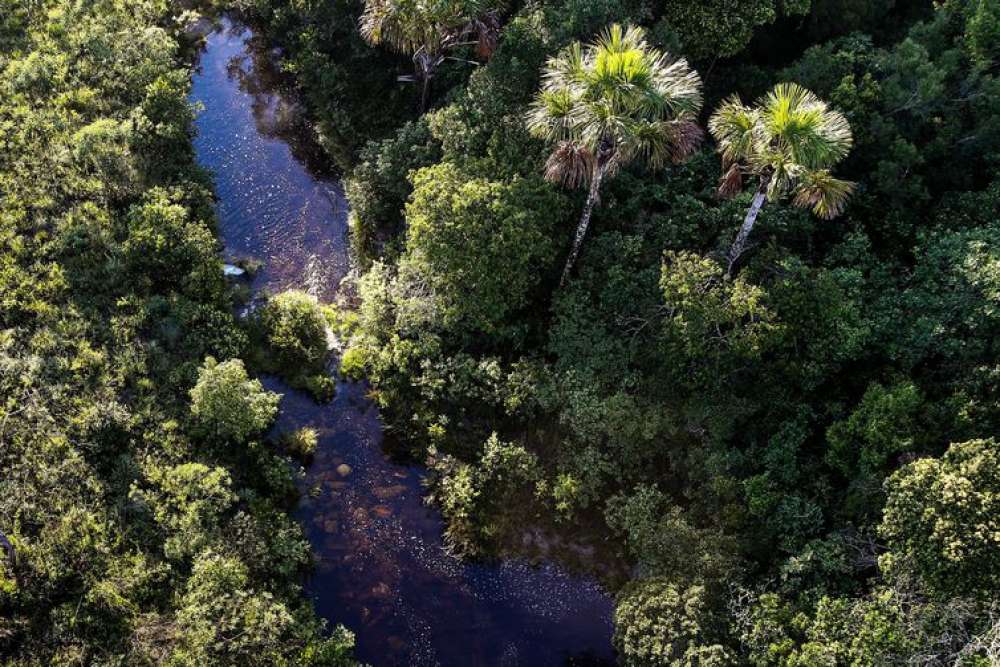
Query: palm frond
[[679, 85], [826, 195], [731, 182], [551, 115], [564, 69], [646, 139], [813, 135], [570, 164], [619, 98], [735, 126], [619, 39]]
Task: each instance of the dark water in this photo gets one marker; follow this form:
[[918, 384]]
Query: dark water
[[381, 567]]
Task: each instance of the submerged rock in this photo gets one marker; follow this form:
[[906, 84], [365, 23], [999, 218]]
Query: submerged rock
[[343, 470], [386, 492]]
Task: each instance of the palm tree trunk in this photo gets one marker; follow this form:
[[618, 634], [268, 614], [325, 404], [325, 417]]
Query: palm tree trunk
[[739, 245], [593, 195], [423, 66], [425, 89]]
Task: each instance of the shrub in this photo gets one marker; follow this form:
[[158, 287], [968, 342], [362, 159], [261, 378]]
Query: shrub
[[941, 515], [482, 246], [294, 331], [660, 623], [227, 404], [301, 443]]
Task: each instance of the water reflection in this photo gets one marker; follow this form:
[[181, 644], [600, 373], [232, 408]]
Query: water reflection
[[271, 207], [381, 569]]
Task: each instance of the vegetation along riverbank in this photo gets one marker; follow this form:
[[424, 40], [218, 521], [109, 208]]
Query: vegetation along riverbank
[[147, 519], [700, 298], [771, 371]]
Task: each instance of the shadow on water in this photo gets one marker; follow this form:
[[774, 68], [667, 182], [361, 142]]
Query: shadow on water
[[380, 564]]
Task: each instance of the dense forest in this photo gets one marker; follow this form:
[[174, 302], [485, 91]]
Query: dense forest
[[712, 288], [143, 520]]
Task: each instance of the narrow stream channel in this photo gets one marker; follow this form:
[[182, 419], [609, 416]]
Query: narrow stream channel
[[380, 566]]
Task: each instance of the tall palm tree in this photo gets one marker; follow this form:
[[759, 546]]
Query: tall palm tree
[[426, 29], [608, 103], [789, 142]]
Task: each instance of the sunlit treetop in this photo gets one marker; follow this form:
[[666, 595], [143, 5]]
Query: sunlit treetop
[[618, 95], [791, 139]]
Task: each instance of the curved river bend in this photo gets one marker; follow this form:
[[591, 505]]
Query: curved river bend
[[380, 565]]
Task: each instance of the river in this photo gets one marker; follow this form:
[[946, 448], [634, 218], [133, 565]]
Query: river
[[381, 568]]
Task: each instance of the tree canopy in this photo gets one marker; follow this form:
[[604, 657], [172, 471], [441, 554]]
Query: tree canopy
[[129, 514], [779, 457]]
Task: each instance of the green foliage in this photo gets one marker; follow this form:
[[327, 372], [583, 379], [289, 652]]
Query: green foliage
[[663, 541], [227, 404], [732, 426], [380, 184], [893, 97], [754, 428], [161, 237], [474, 498], [718, 27], [111, 297], [484, 126], [294, 331], [983, 33], [412, 27], [223, 619], [660, 623], [421, 28], [953, 297], [714, 323], [941, 514], [301, 443], [890, 626], [606, 105], [187, 502], [612, 101], [480, 246], [790, 140], [884, 425]]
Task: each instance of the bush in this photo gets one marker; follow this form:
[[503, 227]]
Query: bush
[[320, 385], [942, 516], [227, 404], [659, 623], [482, 246], [294, 331], [353, 363], [301, 443], [379, 185]]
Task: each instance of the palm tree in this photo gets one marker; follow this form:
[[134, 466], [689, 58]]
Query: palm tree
[[428, 28], [789, 142], [609, 103]]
